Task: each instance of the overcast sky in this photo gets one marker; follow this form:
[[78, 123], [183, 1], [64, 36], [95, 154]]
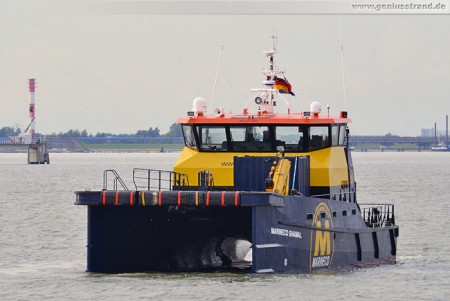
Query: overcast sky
[[122, 72]]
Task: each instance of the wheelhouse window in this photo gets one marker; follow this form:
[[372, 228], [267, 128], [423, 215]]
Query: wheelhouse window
[[335, 135], [342, 134], [262, 138], [212, 138], [189, 137], [318, 137], [291, 137], [250, 138]]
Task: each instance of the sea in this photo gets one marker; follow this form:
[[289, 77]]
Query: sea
[[43, 236]]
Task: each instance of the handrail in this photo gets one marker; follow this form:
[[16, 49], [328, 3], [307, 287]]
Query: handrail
[[117, 179], [156, 179], [205, 179], [346, 194], [378, 215]]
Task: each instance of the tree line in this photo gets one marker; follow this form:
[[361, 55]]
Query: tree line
[[9, 131], [174, 131]]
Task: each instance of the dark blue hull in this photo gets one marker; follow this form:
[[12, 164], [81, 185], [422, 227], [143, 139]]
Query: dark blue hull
[[192, 231]]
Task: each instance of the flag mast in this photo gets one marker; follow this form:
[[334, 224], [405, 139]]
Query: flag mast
[[273, 84]]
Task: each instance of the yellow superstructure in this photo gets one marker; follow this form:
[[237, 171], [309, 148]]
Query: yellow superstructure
[[328, 165]]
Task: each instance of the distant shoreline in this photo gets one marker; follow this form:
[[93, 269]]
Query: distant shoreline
[[135, 147], [176, 147]]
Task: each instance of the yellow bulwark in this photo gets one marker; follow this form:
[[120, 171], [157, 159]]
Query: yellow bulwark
[[328, 166]]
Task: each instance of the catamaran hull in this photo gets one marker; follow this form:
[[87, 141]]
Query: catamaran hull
[[255, 231]]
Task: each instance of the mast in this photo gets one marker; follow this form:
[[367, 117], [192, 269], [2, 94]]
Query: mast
[[265, 99]]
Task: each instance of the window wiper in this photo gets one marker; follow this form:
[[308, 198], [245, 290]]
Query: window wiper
[[212, 147]]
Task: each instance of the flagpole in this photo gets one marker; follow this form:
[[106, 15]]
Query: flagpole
[[342, 64], [220, 56]]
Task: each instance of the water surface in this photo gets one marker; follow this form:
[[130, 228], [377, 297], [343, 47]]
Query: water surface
[[43, 236]]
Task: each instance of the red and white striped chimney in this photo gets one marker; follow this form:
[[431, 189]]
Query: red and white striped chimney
[[32, 86]]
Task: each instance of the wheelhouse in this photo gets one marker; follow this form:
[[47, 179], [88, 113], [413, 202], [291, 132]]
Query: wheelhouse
[[263, 137]]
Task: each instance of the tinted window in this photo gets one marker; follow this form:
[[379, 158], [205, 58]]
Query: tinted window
[[318, 137], [334, 135], [250, 138], [189, 138], [212, 138], [342, 135], [291, 137]]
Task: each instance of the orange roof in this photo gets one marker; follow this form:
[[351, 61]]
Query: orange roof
[[292, 118]]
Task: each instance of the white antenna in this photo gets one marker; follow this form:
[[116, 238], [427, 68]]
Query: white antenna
[[342, 64], [221, 52], [310, 97]]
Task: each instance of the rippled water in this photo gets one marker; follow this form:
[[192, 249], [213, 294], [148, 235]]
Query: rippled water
[[43, 236]]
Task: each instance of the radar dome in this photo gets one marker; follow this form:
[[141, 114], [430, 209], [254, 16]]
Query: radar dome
[[315, 107], [199, 105]]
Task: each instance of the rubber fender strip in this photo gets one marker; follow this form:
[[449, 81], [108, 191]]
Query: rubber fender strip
[[154, 198], [104, 197], [207, 198], [236, 198], [160, 198], [117, 198], [222, 201], [132, 197], [143, 198]]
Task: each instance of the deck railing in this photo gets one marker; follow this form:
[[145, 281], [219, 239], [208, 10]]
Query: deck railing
[[205, 180], [116, 179], [155, 179], [378, 215]]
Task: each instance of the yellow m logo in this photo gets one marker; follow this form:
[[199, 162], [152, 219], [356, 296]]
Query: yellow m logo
[[323, 240]]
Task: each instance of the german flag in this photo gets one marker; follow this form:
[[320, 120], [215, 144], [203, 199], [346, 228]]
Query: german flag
[[283, 86]]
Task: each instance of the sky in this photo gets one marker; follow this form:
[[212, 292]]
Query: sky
[[115, 70]]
